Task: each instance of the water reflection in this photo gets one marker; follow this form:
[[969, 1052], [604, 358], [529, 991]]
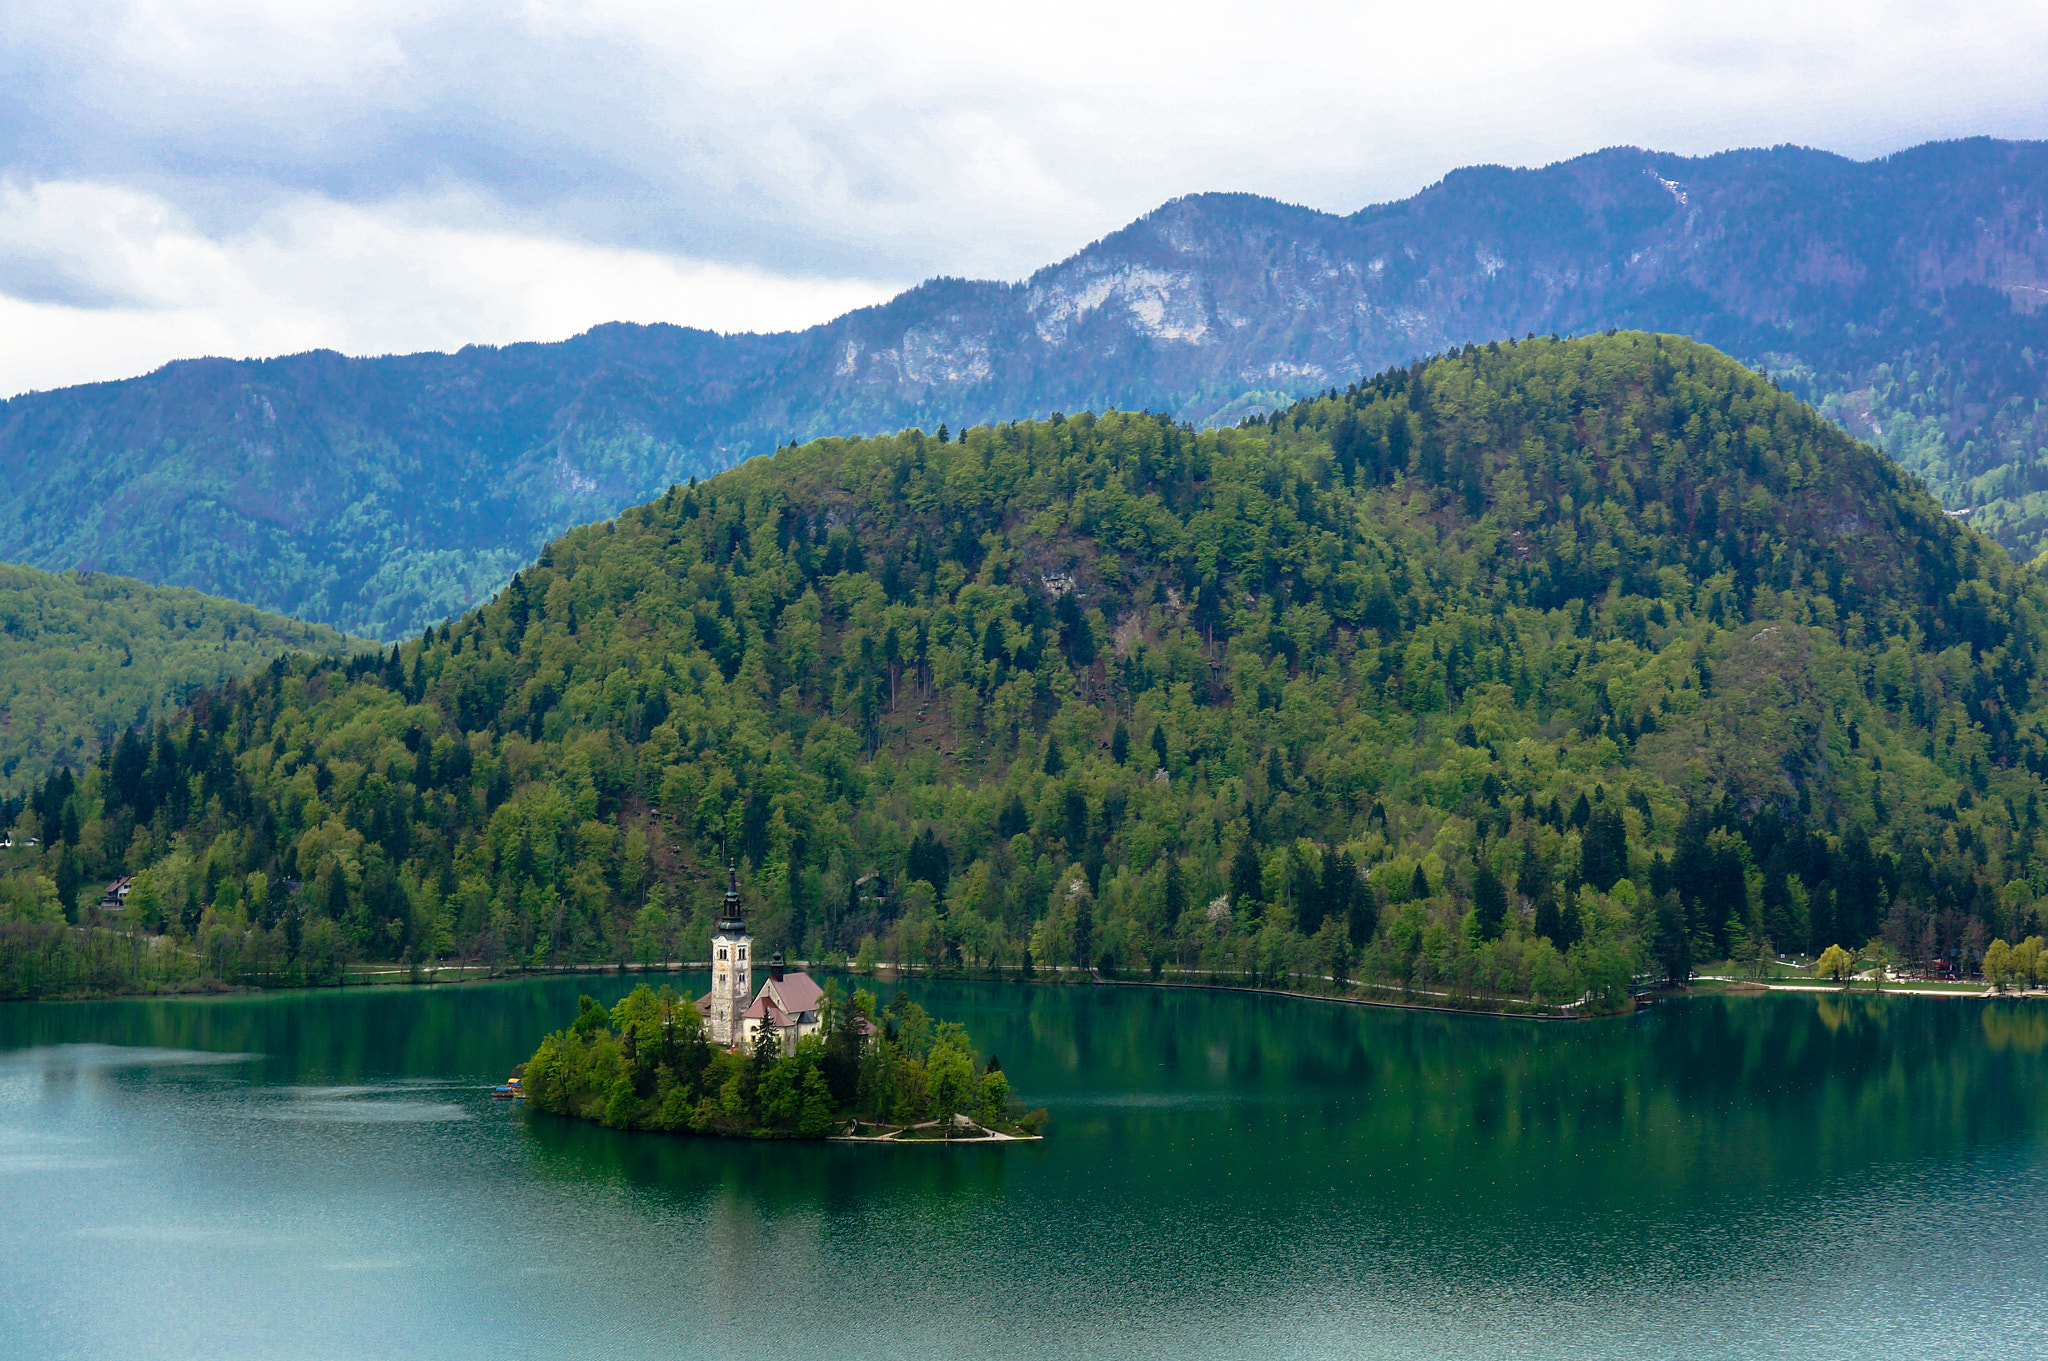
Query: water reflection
[[1227, 1175]]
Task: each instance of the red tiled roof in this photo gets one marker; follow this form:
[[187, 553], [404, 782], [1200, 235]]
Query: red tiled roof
[[795, 992], [763, 1007]]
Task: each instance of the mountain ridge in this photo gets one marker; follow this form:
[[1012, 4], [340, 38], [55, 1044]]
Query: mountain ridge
[[1902, 295]]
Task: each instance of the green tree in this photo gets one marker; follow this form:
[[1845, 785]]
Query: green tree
[[950, 1074], [1672, 943], [1247, 876], [1490, 901], [815, 1116], [1333, 952], [1997, 966], [992, 1104], [650, 935]]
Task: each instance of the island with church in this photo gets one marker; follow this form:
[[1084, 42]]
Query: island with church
[[793, 1060]]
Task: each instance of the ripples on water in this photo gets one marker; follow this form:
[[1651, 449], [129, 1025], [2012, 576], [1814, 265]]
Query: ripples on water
[[1227, 1176], [367, 1105]]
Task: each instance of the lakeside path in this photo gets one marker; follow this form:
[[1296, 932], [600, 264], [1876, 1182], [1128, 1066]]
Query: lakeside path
[[1562, 1013], [1968, 992], [384, 974]]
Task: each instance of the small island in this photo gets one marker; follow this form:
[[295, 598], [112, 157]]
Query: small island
[[895, 1076], [798, 1061]]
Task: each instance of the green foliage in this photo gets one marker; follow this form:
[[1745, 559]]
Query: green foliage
[[1607, 644], [83, 656], [41, 958], [1963, 414]]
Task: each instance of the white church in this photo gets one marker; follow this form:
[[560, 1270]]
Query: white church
[[788, 1002]]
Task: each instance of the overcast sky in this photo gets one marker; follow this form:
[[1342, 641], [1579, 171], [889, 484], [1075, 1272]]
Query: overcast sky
[[184, 177]]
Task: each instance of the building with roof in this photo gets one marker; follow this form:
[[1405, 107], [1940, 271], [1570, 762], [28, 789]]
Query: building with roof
[[789, 1003]]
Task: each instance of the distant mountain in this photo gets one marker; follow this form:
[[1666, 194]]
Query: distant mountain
[[1903, 296], [83, 656]]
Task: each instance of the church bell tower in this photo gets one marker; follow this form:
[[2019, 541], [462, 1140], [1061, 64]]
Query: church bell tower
[[731, 969]]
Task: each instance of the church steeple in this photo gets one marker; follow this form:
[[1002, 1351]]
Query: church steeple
[[732, 972], [729, 920]]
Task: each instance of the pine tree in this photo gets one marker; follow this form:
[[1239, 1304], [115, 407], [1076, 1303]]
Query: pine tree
[[1490, 901], [1247, 878], [1176, 895]]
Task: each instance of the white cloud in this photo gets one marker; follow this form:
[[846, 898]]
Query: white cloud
[[110, 282], [736, 153]]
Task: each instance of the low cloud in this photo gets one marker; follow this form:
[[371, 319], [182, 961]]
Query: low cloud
[[766, 165], [102, 281]]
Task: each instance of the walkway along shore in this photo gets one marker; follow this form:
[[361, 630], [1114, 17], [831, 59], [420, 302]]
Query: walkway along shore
[[1390, 996]]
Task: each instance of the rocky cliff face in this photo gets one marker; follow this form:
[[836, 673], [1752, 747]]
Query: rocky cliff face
[[1905, 295]]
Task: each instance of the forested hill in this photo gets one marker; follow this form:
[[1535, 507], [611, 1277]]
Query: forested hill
[[1503, 672], [382, 494], [83, 656]]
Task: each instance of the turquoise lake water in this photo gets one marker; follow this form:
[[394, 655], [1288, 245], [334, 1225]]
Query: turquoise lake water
[[322, 1174]]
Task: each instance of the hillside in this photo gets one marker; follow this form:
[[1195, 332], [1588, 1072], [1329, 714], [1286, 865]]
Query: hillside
[[1505, 673], [378, 495], [84, 655]]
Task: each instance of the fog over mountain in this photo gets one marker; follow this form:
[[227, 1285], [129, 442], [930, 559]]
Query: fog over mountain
[[1903, 295]]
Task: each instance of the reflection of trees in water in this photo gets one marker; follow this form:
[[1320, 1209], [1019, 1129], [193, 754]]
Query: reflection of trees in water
[[1709, 1096], [2022, 1026], [1223, 1104], [775, 1177], [455, 1030]]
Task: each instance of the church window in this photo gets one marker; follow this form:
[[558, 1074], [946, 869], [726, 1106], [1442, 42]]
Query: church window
[[743, 952], [721, 952]]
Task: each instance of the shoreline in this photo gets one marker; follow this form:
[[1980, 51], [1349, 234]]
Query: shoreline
[[1967, 992], [1559, 1014], [403, 977]]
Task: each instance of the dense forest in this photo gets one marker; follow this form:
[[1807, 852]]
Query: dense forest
[[646, 1064], [1510, 674], [84, 656], [1963, 414]]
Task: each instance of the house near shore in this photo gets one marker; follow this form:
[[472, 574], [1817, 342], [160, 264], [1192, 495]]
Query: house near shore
[[789, 1003]]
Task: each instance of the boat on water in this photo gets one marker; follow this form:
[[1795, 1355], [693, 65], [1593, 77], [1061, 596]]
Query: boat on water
[[508, 1090]]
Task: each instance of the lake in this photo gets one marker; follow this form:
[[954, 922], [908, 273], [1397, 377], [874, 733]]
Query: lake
[[1226, 1175]]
